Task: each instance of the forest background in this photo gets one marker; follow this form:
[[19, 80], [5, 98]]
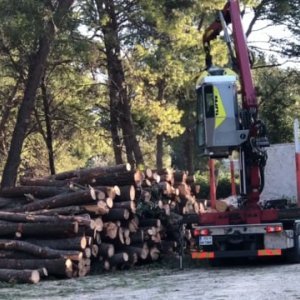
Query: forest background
[[103, 82]]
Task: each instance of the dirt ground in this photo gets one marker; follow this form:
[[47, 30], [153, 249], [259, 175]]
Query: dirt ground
[[238, 281]]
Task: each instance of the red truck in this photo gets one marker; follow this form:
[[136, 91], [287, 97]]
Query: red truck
[[227, 120]]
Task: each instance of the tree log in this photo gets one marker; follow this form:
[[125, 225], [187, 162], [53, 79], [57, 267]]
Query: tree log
[[106, 250], [141, 251], [95, 250], [56, 266], [120, 179], [24, 181], [67, 210], [180, 176], [146, 222], [75, 243], [75, 198], [42, 252], [91, 173], [133, 224], [98, 209], [137, 237], [110, 230], [118, 259], [36, 191], [221, 206], [38, 229], [116, 214], [12, 202], [98, 224], [127, 193], [129, 205], [19, 276], [33, 218], [109, 191], [154, 253]]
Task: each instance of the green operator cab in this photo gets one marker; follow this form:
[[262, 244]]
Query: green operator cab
[[218, 127]]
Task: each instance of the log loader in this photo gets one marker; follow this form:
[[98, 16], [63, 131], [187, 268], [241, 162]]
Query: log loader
[[227, 120]]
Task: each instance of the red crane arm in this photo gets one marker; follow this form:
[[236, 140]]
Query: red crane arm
[[231, 14], [242, 55], [214, 29], [253, 156]]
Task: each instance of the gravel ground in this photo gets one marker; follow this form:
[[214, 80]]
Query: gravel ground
[[243, 281]]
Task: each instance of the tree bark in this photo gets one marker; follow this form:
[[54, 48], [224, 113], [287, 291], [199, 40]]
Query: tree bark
[[19, 276], [36, 68], [81, 197], [32, 218], [106, 250], [159, 151], [91, 172], [189, 150], [42, 252], [61, 229], [48, 136], [160, 137], [35, 191], [76, 243], [119, 101], [116, 214], [5, 115], [55, 266], [125, 193], [118, 259]]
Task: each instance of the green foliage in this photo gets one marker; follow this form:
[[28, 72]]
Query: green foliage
[[285, 13], [279, 94], [203, 180], [223, 188], [162, 55]]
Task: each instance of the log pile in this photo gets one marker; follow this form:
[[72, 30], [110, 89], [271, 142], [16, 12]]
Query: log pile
[[113, 217]]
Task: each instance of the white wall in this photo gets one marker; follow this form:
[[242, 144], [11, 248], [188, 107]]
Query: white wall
[[280, 172]]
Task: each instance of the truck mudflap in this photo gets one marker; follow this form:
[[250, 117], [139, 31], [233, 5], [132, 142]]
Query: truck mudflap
[[235, 254]]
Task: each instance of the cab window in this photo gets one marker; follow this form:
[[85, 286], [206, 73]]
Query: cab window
[[209, 101]]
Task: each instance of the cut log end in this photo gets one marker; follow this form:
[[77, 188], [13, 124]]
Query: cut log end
[[35, 276], [109, 202]]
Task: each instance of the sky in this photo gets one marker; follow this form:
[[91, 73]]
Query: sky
[[262, 31]]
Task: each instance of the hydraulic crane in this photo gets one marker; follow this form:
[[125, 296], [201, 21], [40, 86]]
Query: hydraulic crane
[[226, 121], [222, 125]]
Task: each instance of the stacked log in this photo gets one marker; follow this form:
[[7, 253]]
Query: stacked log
[[113, 217]]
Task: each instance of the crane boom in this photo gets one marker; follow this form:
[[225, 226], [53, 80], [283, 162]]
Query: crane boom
[[229, 127], [242, 54], [225, 124]]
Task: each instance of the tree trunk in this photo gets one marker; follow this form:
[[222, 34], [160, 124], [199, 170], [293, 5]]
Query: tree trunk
[[75, 198], [84, 220], [118, 259], [116, 214], [159, 151], [106, 250], [189, 150], [36, 68], [35, 250], [19, 276], [61, 229], [119, 101], [160, 137], [76, 243], [48, 135], [5, 115], [55, 266], [91, 173], [35, 191]]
